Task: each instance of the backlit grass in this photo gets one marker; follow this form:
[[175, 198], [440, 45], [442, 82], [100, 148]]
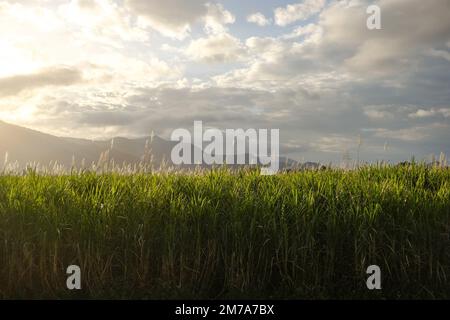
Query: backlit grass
[[219, 234]]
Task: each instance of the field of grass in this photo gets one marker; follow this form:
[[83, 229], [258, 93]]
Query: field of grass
[[219, 234]]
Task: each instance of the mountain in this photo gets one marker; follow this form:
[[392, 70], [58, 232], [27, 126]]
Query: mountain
[[30, 146], [26, 146]]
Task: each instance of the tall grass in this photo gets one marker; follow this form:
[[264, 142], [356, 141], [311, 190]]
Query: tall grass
[[222, 234]]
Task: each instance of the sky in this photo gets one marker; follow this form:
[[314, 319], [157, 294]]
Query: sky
[[97, 69]]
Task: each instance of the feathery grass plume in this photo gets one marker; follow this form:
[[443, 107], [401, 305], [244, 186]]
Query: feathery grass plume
[[346, 160], [5, 162], [147, 157], [360, 142], [433, 160], [442, 160]]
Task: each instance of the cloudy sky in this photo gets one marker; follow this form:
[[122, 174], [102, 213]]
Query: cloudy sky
[[98, 69]]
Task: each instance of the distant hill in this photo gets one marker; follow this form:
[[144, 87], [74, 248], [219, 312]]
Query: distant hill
[[26, 146], [30, 146]]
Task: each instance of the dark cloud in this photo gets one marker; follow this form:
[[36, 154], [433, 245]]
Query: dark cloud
[[169, 13], [313, 129], [57, 76]]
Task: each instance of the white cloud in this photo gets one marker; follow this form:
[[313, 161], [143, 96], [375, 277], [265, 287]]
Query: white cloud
[[408, 134], [310, 31], [440, 54], [101, 20], [215, 48], [93, 36], [334, 144], [217, 17], [339, 47], [422, 113], [297, 12], [378, 114], [259, 19]]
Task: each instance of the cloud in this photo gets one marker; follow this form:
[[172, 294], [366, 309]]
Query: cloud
[[165, 108], [216, 48], [217, 17], [304, 31], [440, 54], [175, 18], [409, 29], [277, 63], [408, 134], [333, 144], [338, 46], [421, 113], [313, 127], [377, 114], [101, 20], [259, 19], [297, 12], [323, 80], [125, 69], [170, 17], [56, 76]]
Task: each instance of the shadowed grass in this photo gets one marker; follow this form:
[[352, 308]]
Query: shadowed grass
[[219, 234]]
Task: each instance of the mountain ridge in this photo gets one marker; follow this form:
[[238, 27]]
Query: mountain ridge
[[23, 146]]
